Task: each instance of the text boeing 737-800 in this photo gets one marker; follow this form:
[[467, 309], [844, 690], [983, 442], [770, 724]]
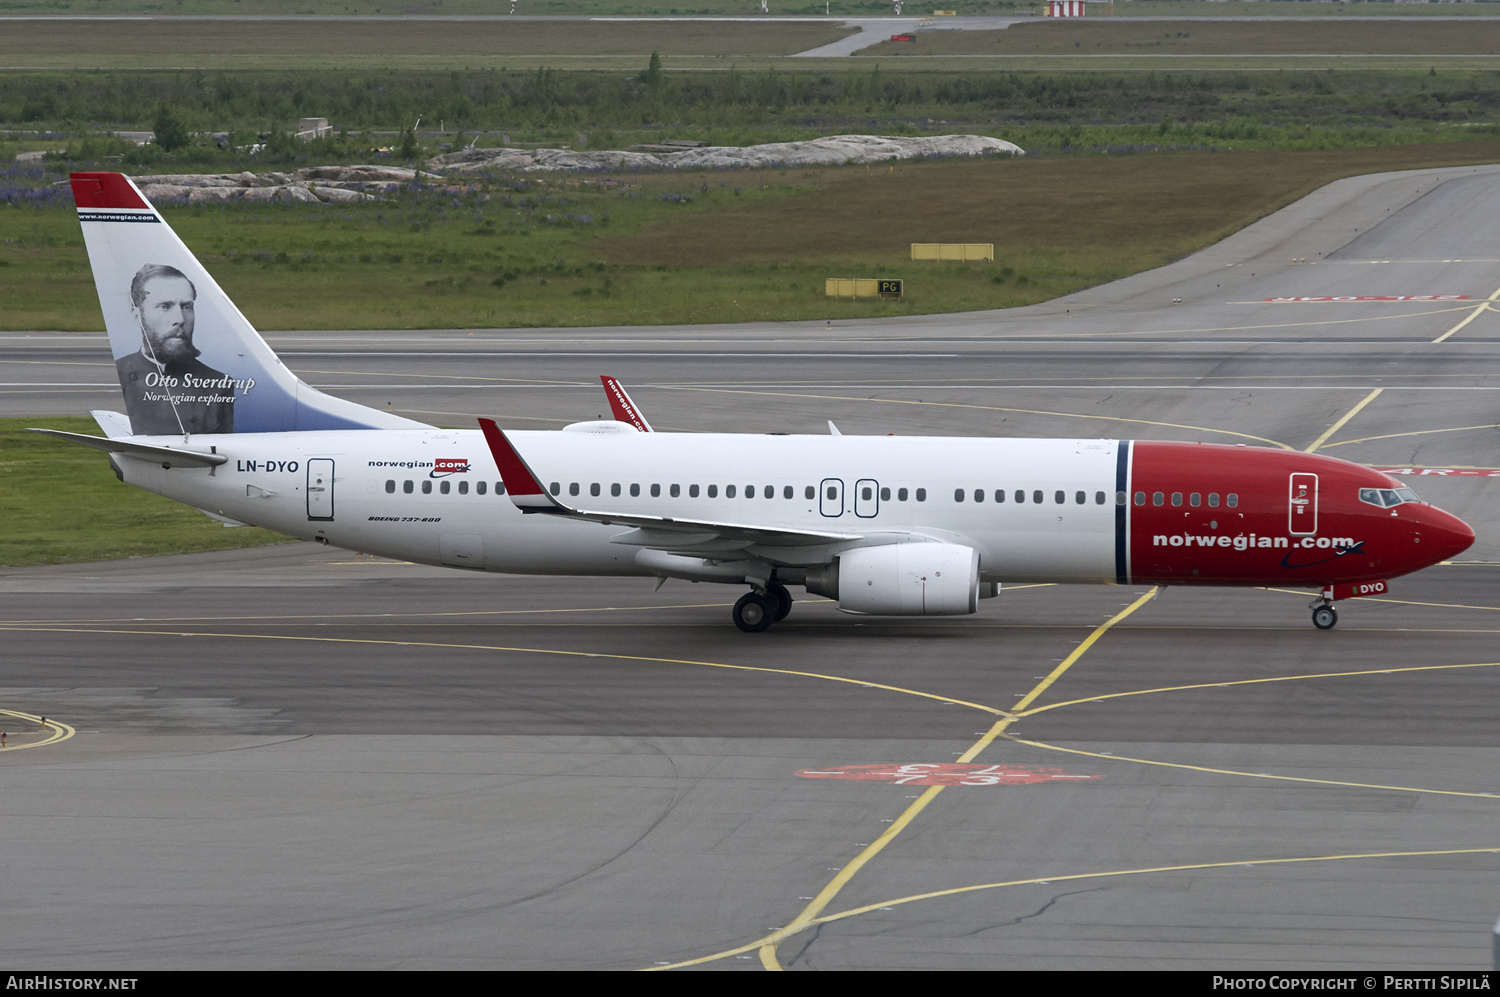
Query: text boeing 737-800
[[898, 526]]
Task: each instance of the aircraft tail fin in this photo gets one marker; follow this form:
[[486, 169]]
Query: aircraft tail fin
[[188, 359]]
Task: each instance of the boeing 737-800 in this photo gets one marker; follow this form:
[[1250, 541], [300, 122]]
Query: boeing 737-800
[[888, 525]]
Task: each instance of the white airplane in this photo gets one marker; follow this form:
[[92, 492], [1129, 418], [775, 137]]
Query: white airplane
[[886, 525]]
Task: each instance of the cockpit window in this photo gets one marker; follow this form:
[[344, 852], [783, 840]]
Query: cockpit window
[[1386, 498]]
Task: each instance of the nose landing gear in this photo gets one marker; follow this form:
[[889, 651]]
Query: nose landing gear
[[1324, 616]]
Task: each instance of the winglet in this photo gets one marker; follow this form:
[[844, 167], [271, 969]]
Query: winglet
[[621, 405], [520, 484]]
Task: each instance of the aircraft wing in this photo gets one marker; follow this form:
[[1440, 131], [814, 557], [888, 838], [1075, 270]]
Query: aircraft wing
[[621, 404], [664, 532]]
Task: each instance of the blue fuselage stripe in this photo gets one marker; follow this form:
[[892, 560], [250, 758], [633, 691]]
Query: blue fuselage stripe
[[1122, 511]]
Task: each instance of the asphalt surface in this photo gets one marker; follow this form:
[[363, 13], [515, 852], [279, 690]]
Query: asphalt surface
[[291, 757]]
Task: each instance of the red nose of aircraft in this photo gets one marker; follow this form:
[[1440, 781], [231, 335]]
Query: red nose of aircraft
[[1438, 536]]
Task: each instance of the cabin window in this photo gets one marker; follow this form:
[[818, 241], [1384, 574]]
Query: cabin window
[[729, 491], [635, 490], [958, 494], [810, 493], [572, 488], [1157, 498], [1232, 500], [1140, 498], [1099, 498], [556, 488], [1020, 496], [921, 495], [901, 495], [1213, 500], [885, 494], [594, 489], [675, 490], [1194, 500], [787, 492], [833, 491], [444, 486], [999, 494], [692, 491], [427, 487], [390, 486], [979, 495], [499, 488], [1059, 497], [1036, 496], [479, 488], [713, 491], [1080, 498], [463, 488], [655, 490], [406, 486], [769, 491], [1176, 498], [614, 489]]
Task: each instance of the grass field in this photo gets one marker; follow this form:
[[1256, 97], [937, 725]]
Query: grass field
[[62, 503], [222, 44], [671, 249], [1125, 36]]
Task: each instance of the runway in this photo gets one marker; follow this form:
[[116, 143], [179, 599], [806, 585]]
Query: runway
[[291, 757]]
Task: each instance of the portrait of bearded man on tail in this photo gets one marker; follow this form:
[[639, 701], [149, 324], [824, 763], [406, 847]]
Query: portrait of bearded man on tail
[[167, 389]]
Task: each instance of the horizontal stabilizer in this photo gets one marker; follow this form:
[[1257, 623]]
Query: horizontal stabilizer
[[166, 456]]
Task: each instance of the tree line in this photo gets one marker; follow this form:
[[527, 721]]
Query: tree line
[[658, 98]]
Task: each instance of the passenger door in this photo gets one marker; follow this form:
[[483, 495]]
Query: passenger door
[[1302, 506], [320, 488]]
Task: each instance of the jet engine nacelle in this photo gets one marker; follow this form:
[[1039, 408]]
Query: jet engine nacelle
[[910, 579]]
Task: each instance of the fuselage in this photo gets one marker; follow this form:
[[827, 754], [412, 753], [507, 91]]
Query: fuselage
[[1078, 511]]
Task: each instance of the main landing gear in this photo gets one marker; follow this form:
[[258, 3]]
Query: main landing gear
[[1324, 616], [758, 610]]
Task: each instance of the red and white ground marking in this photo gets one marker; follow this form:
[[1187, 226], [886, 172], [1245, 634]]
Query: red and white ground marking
[[1375, 297], [948, 774], [1442, 472]]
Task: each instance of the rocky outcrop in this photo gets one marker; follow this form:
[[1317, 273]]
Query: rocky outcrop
[[315, 184], [835, 150], [341, 184]]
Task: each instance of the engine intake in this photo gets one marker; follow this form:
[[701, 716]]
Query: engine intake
[[910, 579]]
